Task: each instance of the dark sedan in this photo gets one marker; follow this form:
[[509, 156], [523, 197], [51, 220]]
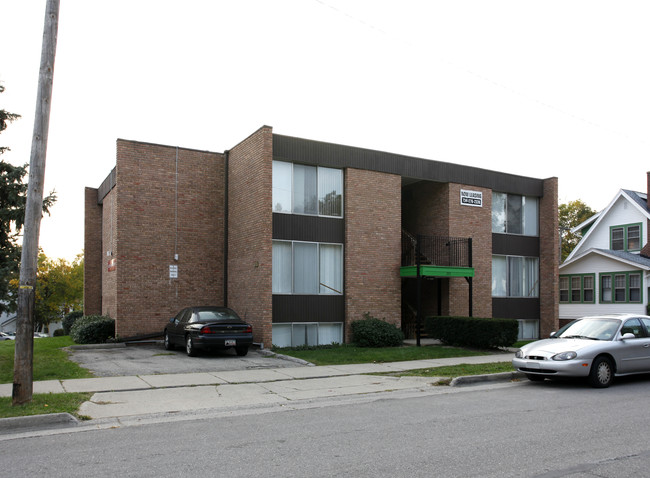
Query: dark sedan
[[197, 328]]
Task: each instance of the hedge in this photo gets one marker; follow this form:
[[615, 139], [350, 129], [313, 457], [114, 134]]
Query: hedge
[[473, 331], [93, 329], [373, 332]]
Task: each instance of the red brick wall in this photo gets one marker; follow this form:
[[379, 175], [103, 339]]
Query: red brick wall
[[372, 246], [168, 201], [549, 288], [250, 231], [109, 246], [92, 253], [474, 222]]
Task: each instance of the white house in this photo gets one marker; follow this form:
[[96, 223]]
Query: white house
[[609, 270]]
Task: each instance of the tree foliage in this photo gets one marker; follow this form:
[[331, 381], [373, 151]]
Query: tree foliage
[[59, 289], [571, 215], [13, 195]]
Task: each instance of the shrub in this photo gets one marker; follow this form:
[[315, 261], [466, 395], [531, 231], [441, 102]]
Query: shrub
[[92, 329], [473, 331], [58, 333], [70, 319], [373, 332]]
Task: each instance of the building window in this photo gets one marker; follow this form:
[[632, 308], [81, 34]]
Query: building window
[[297, 334], [307, 268], [528, 329], [621, 287], [514, 214], [515, 276], [311, 190], [625, 238], [576, 289]]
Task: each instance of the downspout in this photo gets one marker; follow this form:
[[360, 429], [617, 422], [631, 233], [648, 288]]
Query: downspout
[[226, 155]]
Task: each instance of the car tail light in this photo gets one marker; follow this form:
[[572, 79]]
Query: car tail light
[[249, 330], [206, 330]]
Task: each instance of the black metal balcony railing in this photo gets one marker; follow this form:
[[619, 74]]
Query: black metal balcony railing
[[436, 250]]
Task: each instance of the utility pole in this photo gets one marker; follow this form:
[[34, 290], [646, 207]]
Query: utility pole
[[24, 352]]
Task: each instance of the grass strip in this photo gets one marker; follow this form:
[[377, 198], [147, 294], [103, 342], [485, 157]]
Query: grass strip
[[459, 370], [45, 403]]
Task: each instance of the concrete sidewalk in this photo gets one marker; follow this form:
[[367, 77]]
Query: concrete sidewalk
[[116, 397]]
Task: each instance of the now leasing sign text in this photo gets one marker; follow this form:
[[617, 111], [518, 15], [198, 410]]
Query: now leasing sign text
[[471, 198]]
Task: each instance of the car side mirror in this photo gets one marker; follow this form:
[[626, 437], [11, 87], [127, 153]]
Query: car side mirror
[[172, 319], [552, 334], [628, 336]]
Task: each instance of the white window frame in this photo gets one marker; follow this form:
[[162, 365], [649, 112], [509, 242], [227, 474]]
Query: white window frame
[[281, 195], [280, 284], [502, 277]]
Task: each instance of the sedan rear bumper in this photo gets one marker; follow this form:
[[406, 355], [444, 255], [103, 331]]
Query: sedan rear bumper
[[204, 341], [553, 368]]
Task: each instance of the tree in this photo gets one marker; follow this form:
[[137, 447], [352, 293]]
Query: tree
[[571, 215], [59, 289], [13, 193]]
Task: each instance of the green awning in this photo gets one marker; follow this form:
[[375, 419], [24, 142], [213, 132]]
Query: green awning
[[436, 271]]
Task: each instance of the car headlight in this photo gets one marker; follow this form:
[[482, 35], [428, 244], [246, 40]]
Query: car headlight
[[565, 356], [519, 354]]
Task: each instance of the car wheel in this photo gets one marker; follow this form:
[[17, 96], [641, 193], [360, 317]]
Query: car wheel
[[168, 344], [602, 373], [535, 378], [189, 346], [242, 351]]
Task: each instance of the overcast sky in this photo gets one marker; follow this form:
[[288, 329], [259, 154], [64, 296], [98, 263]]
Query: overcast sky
[[540, 89]]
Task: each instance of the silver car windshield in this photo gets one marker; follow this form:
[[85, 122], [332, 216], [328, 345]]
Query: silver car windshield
[[595, 329]]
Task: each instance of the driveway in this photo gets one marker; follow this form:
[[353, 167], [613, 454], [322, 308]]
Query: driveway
[[120, 360]]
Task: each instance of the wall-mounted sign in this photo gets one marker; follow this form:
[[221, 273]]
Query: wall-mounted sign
[[173, 271], [471, 198], [112, 265]]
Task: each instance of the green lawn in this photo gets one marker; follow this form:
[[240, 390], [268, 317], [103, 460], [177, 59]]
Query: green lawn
[[348, 354], [50, 360]]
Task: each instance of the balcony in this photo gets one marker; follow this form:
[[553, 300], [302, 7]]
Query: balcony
[[436, 256]]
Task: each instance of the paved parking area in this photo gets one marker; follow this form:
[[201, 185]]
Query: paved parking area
[[152, 358]]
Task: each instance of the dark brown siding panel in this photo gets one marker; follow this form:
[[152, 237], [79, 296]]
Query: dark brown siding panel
[[308, 228], [300, 150], [515, 308], [505, 244], [308, 308]]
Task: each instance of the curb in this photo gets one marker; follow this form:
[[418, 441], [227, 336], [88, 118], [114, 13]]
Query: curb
[[37, 421], [494, 377]]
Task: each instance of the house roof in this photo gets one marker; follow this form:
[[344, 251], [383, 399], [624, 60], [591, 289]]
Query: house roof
[[628, 258], [637, 199]]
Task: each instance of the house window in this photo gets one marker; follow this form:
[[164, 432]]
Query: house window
[[606, 288], [625, 238], [515, 276], [311, 190], [514, 214], [588, 288], [564, 289], [307, 268], [576, 289], [621, 287]]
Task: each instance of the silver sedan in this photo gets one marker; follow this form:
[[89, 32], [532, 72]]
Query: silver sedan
[[598, 348]]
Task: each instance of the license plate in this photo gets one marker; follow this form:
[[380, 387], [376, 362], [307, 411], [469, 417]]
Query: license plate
[[231, 342], [532, 365]]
